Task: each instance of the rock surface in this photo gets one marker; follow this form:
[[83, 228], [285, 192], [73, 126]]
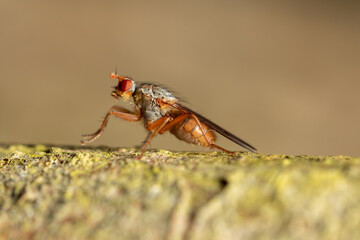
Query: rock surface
[[49, 192]]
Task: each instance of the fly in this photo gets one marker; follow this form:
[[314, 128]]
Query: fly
[[161, 111]]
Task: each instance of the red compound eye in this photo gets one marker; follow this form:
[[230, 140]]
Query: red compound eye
[[125, 85]]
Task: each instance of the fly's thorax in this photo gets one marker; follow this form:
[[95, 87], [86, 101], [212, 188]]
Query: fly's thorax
[[155, 91], [146, 98]]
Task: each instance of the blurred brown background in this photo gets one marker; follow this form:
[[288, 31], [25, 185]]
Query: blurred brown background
[[283, 76]]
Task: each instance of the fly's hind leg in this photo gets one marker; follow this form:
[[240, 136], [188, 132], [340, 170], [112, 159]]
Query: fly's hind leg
[[212, 145], [222, 149], [117, 112]]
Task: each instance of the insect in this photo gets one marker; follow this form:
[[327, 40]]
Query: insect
[[161, 111]]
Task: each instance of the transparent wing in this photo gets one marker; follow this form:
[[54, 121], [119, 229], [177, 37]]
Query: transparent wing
[[216, 127]]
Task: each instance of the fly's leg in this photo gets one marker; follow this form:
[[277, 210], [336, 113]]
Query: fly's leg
[[156, 127], [117, 112], [207, 139], [160, 126], [175, 121]]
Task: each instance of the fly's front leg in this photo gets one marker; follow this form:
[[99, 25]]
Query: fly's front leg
[[117, 112]]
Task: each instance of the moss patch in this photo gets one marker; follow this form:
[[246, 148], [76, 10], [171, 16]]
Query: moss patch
[[102, 193]]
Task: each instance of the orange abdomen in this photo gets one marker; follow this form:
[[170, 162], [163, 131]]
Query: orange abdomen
[[189, 131]]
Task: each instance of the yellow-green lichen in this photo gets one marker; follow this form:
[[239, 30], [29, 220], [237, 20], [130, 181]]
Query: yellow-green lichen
[[54, 192]]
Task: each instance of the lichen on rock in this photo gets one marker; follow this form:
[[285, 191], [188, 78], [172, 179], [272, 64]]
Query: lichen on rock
[[63, 192]]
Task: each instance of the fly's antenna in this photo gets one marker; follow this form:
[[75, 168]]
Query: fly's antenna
[[115, 74]]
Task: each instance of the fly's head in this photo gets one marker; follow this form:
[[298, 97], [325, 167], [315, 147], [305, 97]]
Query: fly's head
[[125, 87]]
